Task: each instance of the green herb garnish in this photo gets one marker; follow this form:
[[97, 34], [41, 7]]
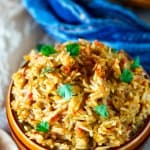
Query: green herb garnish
[[46, 70], [73, 49], [65, 91], [126, 76], [46, 50], [136, 63], [101, 110], [38, 47], [43, 126], [114, 50]]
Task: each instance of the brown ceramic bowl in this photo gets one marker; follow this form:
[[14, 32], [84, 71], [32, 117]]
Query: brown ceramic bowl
[[24, 143]]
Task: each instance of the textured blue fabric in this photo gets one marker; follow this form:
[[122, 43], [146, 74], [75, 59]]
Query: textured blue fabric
[[110, 23]]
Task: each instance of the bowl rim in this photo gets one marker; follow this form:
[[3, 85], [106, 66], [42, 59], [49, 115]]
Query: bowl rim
[[133, 143]]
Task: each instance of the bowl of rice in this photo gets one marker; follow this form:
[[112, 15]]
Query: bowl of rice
[[79, 96]]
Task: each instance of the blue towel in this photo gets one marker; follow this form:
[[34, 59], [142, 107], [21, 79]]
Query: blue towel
[[110, 23]]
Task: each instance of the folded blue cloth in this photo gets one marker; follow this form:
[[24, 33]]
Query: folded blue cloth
[[110, 23]]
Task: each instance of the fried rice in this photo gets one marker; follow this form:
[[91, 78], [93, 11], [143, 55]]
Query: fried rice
[[72, 102]]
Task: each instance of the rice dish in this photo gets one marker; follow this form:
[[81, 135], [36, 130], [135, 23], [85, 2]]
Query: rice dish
[[80, 96]]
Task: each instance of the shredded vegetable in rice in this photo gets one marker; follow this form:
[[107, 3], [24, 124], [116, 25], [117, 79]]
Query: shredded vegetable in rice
[[80, 96]]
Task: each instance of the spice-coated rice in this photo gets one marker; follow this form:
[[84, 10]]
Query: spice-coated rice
[[90, 99]]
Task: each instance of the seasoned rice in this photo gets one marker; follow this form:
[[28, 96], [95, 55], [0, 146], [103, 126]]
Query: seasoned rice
[[81, 100]]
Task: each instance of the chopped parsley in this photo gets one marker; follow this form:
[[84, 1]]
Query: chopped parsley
[[101, 110], [43, 126], [73, 49], [65, 91], [45, 49], [136, 63], [47, 69], [126, 76]]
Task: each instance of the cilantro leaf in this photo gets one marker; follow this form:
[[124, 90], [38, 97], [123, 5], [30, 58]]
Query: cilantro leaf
[[126, 76], [47, 69], [38, 47], [136, 63], [73, 49], [101, 110], [65, 91], [114, 50], [43, 126], [45, 49]]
